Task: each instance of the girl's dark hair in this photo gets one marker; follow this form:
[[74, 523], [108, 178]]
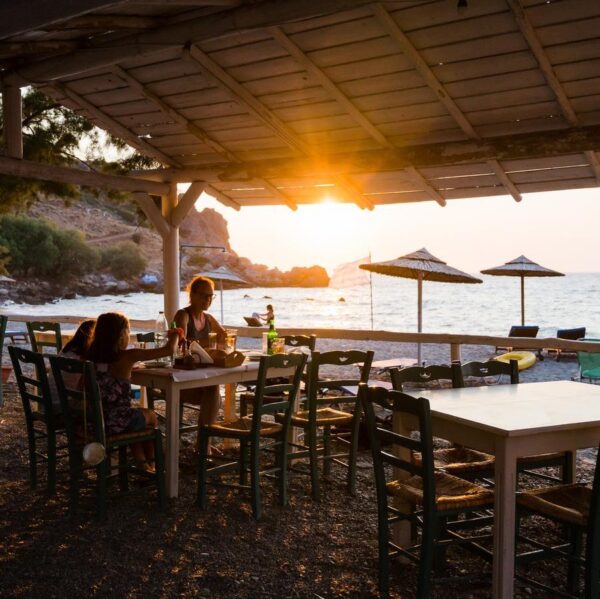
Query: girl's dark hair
[[80, 342], [198, 282], [107, 333], [270, 307]]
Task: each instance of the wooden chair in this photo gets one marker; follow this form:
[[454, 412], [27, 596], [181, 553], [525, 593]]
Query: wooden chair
[[322, 411], [34, 327], [255, 433], [529, 464], [456, 460], [577, 508], [434, 500], [84, 423], [44, 425], [3, 321]]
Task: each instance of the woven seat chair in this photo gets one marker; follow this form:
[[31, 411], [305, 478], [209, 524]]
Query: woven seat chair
[[3, 322], [577, 508], [432, 500], [458, 460], [44, 425], [525, 465], [255, 433], [84, 423], [52, 328], [324, 413]]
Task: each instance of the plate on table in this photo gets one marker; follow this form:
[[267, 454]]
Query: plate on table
[[253, 355]]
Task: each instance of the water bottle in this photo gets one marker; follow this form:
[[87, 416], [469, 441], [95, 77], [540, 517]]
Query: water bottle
[[160, 335]]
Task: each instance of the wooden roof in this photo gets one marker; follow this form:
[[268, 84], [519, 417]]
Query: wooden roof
[[286, 101]]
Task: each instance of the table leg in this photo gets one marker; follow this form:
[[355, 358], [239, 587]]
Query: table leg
[[229, 409], [504, 520], [172, 430]]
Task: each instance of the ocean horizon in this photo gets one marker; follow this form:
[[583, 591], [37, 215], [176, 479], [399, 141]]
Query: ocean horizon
[[490, 308]]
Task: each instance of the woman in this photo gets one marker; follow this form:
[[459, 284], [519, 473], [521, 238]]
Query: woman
[[108, 350], [197, 324]]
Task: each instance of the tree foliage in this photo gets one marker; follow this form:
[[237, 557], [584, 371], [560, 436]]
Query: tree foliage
[[123, 260]]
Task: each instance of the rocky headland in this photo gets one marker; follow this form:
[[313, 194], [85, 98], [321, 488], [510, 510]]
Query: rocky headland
[[105, 224]]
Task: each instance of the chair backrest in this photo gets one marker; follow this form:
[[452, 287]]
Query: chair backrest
[[523, 331], [301, 341], [572, 334], [424, 375], [286, 391], [335, 360], [53, 328], [3, 321], [402, 446], [80, 401], [481, 370], [32, 382], [145, 338]]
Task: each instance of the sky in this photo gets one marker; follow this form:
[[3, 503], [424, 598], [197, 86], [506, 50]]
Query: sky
[[557, 229]]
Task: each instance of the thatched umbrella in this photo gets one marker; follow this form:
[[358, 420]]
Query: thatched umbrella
[[423, 266], [223, 274], [522, 267]]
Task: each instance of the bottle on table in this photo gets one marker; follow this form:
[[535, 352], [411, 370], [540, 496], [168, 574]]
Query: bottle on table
[[271, 336], [160, 335]]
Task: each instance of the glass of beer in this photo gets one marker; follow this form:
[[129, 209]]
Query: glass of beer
[[230, 340]]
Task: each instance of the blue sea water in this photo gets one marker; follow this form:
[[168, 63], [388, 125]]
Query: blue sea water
[[488, 308]]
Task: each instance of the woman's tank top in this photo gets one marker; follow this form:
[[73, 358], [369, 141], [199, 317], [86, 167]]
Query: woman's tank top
[[192, 333]]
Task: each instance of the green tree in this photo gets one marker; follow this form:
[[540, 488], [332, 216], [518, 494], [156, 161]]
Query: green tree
[[124, 260]]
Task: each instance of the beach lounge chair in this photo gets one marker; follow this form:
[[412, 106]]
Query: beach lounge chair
[[589, 364], [523, 331], [252, 322], [573, 335]]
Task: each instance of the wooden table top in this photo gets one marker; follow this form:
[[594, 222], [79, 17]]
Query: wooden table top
[[517, 410]]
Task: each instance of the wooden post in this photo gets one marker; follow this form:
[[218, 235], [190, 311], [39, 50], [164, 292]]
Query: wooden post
[[12, 112], [420, 314], [522, 300], [455, 352], [170, 256]]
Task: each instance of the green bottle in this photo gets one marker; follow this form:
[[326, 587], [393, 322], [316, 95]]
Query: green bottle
[[271, 336]]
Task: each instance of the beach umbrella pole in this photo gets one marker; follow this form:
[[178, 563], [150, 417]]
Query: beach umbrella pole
[[522, 301], [420, 313]]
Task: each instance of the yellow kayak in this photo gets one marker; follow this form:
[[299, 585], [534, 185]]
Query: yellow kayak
[[526, 359]]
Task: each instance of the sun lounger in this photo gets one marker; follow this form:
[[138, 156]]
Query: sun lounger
[[252, 322], [527, 331], [572, 335]]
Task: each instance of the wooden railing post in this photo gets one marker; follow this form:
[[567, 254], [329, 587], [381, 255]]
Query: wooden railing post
[[455, 352]]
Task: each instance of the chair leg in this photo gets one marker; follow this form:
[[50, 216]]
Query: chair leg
[[567, 469], [75, 472], [426, 561], [326, 450], [102, 472], [353, 453], [123, 480], [314, 473], [283, 472], [159, 463], [203, 440], [32, 458], [51, 462], [243, 474], [255, 477], [573, 572]]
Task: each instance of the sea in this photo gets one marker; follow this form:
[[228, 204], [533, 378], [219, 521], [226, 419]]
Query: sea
[[389, 304]]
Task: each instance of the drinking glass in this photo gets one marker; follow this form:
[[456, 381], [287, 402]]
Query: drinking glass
[[212, 341], [278, 346], [230, 340]]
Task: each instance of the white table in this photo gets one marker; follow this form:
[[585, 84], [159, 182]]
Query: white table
[[512, 421], [173, 381]]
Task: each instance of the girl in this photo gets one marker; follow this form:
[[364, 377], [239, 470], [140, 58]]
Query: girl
[[114, 361], [197, 324]]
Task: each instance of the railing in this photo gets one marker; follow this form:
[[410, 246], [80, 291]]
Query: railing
[[455, 341]]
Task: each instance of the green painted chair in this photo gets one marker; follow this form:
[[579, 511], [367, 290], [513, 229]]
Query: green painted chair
[[84, 423], [589, 363], [3, 321], [323, 413], [428, 499], [44, 425], [256, 434], [52, 328], [577, 508]]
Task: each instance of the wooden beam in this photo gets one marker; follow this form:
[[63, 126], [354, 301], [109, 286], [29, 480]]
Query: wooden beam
[[221, 197], [171, 278], [186, 202], [225, 3], [333, 90], [12, 116], [412, 54], [545, 65], [174, 114], [29, 15], [114, 126], [103, 53], [594, 163], [510, 147], [505, 180], [149, 208], [47, 172], [12, 49], [420, 180], [353, 192], [110, 22]]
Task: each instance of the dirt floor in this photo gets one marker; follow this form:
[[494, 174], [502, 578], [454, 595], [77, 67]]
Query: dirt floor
[[305, 550]]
